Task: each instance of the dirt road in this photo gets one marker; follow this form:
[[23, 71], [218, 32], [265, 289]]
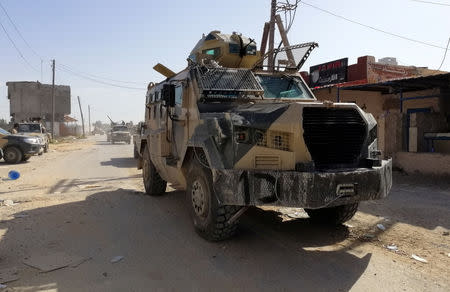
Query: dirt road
[[84, 202]]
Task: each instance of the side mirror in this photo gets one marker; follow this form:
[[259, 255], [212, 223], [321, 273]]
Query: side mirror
[[168, 95]]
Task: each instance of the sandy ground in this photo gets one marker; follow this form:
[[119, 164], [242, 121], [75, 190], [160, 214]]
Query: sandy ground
[[82, 205]]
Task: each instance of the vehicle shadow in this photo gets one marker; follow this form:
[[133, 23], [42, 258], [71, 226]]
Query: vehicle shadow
[[122, 162], [161, 250]]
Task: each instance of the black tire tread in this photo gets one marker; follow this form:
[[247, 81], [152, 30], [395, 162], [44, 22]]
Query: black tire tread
[[19, 155], [334, 215], [218, 227], [157, 186], [135, 152], [223, 230]]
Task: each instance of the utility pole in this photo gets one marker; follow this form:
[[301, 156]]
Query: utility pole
[[285, 40], [89, 118], [53, 99], [273, 11], [82, 118]]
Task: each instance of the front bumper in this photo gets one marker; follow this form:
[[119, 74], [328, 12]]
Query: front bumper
[[302, 189], [31, 149], [121, 138]]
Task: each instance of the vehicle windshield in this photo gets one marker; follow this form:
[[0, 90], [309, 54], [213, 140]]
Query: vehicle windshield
[[30, 128], [283, 87], [4, 132], [120, 128]]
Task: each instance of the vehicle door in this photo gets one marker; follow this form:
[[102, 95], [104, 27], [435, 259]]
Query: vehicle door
[[156, 116]]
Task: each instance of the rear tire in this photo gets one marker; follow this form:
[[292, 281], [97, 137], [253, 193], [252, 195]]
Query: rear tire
[[136, 153], [334, 215], [209, 217], [12, 155], [153, 183]]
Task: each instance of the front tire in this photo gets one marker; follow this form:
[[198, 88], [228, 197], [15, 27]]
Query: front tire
[[153, 183], [334, 215], [46, 148], [209, 217], [12, 155]]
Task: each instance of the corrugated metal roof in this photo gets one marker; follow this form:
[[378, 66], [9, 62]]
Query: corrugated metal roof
[[404, 84]]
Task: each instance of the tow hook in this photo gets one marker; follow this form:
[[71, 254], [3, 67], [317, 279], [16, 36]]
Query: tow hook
[[237, 215]]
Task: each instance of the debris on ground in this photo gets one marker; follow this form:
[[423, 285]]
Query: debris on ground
[[445, 233], [13, 175], [116, 259], [2, 286], [381, 227], [8, 275], [392, 247], [79, 262], [417, 258], [8, 203], [54, 261]]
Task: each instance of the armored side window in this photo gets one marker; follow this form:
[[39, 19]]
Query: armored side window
[[215, 52]]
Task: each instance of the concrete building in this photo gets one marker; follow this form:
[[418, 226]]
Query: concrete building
[[33, 101], [411, 105]]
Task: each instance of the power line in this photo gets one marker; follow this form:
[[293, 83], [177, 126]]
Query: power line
[[443, 59], [68, 67], [99, 77], [431, 2], [65, 69], [374, 28], [19, 33], [17, 49]]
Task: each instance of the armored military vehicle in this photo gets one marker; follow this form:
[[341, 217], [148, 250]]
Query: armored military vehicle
[[235, 136], [120, 133]]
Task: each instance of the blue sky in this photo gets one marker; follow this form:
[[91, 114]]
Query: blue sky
[[123, 40]]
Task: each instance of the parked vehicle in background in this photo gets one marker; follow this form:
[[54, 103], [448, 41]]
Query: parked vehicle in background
[[98, 131], [137, 139], [36, 130], [120, 133], [17, 148]]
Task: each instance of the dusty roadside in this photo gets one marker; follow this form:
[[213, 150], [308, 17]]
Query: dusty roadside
[[83, 203]]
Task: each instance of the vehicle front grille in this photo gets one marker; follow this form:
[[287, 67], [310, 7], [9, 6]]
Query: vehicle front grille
[[334, 136]]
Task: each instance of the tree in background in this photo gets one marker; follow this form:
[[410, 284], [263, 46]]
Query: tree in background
[[4, 124]]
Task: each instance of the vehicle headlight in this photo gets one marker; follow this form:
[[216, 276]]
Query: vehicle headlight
[[32, 140]]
